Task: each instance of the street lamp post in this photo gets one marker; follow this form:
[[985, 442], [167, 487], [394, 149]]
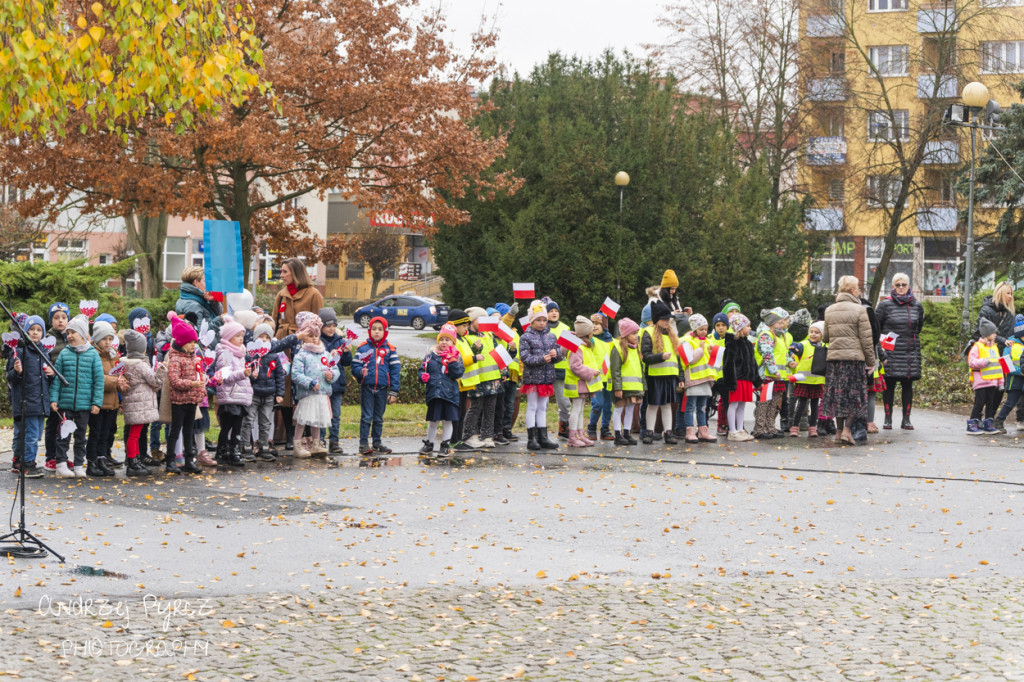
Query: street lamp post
[[978, 106], [621, 181]]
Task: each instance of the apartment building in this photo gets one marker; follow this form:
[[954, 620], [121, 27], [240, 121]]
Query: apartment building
[[876, 77]]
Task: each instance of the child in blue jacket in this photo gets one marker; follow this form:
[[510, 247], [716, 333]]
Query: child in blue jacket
[[377, 369], [441, 371], [341, 357], [28, 378], [1013, 349]]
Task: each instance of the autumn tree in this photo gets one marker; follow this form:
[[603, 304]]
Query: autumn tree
[[117, 61], [381, 248], [19, 234]]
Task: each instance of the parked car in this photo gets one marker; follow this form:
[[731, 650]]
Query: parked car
[[415, 311]]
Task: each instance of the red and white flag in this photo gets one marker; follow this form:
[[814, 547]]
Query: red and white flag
[[716, 355], [610, 307], [570, 341], [501, 356], [504, 332], [888, 341], [524, 322], [522, 290], [764, 394], [605, 365], [1007, 364], [688, 354], [488, 324], [799, 376]]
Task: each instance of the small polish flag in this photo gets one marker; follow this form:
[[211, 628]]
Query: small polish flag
[[501, 356], [610, 307], [504, 332], [765, 392], [888, 341], [605, 365], [349, 334], [716, 354], [688, 354], [524, 322], [799, 376], [488, 324], [522, 289], [570, 341], [1007, 364]]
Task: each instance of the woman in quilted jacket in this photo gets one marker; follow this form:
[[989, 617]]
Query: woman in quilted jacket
[[234, 391], [138, 402]]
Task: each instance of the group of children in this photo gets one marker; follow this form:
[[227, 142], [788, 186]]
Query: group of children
[[995, 370], [72, 379]]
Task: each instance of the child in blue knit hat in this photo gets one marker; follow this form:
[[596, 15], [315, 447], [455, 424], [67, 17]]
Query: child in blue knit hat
[[1013, 349]]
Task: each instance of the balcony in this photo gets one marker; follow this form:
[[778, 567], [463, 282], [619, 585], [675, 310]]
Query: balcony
[[823, 26], [824, 219], [937, 19], [941, 153], [937, 219], [948, 87], [826, 90], [826, 151]]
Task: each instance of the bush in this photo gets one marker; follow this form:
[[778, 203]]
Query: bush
[[346, 307]]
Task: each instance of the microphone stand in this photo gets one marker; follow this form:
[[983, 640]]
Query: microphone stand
[[27, 545]]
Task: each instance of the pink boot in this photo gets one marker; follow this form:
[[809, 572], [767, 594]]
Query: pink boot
[[574, 439], [582, 435], [812, 431]]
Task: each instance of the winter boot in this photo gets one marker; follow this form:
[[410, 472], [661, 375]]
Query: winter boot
[[704, 435], [576, 439], [134, 467], [545, 442], [887, 424], [531, 439], [563, 429], [445, 449], [998, 423], [646, 437], [428, 448], [670, 437], [988, 426], [205, 460], [629, 437], [606, 433], [906, 419], [592, 432], [794, 431], [723, 430], [190, 465], [812, 431], [169, 466], [973, 428], [619, 439], [691, 435], [582, 436]]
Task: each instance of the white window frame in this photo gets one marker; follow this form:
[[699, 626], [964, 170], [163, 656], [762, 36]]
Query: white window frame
[[890, 60], [1002, 3], [174, 276], [891, 185], [887, 5], [900, 118], [67, 251], [994, 53]]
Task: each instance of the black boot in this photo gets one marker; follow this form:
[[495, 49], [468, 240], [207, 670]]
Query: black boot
[[134, 467], [592, 432], [620, 439], [445, 449], [906, 419], [670, 438], [169, 465], [190, 465], [428, 448], [531, 440], [629, 437], [234, 460], [509, 436], [606, 433], [887, 424], [542, 439], [563, 429], [105, 466], [93, 469]]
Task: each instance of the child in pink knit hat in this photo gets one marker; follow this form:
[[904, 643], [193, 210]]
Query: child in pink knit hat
[[441, 370], [627, 379]]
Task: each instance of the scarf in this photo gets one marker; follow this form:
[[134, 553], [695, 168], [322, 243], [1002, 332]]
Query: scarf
[[237, 351], [292, 289], [313, 347], [904, 299], [633, 344], [82, 348]]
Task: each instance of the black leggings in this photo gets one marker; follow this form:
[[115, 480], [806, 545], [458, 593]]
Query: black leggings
[[986, 399], [906, 393], [182, 419], [798, 411], [230, 430]]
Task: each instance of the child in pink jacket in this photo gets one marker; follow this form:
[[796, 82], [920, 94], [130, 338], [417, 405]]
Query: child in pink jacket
[[584, 367], [986, 379]]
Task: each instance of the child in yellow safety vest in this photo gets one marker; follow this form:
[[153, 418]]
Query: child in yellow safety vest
[[809, 387], [1014, 349], [719, 331], [658, 346], [583, 379], [699, 375], [986, 379], [626, 380]]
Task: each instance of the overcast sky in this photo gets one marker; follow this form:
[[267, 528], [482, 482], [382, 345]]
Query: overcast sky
[[530, 29]]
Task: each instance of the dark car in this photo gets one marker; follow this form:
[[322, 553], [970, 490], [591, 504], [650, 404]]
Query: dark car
[[415, 311]]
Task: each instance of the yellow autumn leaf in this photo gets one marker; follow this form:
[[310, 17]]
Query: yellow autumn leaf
[[106, 76], [830, 502], [82, 23], [83, 42], [17, 592], [96, 33], [227, 624], [97, 9], [542, 574], [28, 39], [983, 562], [107, 624]]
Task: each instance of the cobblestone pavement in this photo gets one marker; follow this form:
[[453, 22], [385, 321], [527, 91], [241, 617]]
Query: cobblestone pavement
[[569, 630]]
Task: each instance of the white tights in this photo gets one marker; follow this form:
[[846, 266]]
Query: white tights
[[576, 414], [736, 413], [666, 416], [622, 418], [536, 410], [446, 430]]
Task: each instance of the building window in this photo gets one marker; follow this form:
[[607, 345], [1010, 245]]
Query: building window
[[836, 191], [902, 260], [827, 270], [832, 122], [890, 60], [72, 249], [941, 260], [1002, 3], [1002, 57], [198, 258], [837, 63], [883, 190], [174, 258], [887, 5], [946, 191], [882, 126], [333, 271], [355, 270], [40, 250]]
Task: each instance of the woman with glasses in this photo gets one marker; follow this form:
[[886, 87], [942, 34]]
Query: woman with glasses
[[901, 313]]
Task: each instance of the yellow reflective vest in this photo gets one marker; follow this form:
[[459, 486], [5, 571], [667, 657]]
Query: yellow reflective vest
[[603, 348], [700, 369], [630, 369], [591, 360], [464, 345], [804, 364], [780, 353], [487, 369], [557, 330], [992, 371], [721, 349], [665, 368], [515, 370]]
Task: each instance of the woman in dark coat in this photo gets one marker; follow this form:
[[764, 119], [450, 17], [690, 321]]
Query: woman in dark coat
[[901, 313], [999, 310]]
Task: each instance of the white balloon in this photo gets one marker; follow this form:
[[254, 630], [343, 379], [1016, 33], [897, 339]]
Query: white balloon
[[240, 301]]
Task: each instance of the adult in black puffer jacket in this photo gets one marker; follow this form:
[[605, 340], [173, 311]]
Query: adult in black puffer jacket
[[901, 313], [999, 310]]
